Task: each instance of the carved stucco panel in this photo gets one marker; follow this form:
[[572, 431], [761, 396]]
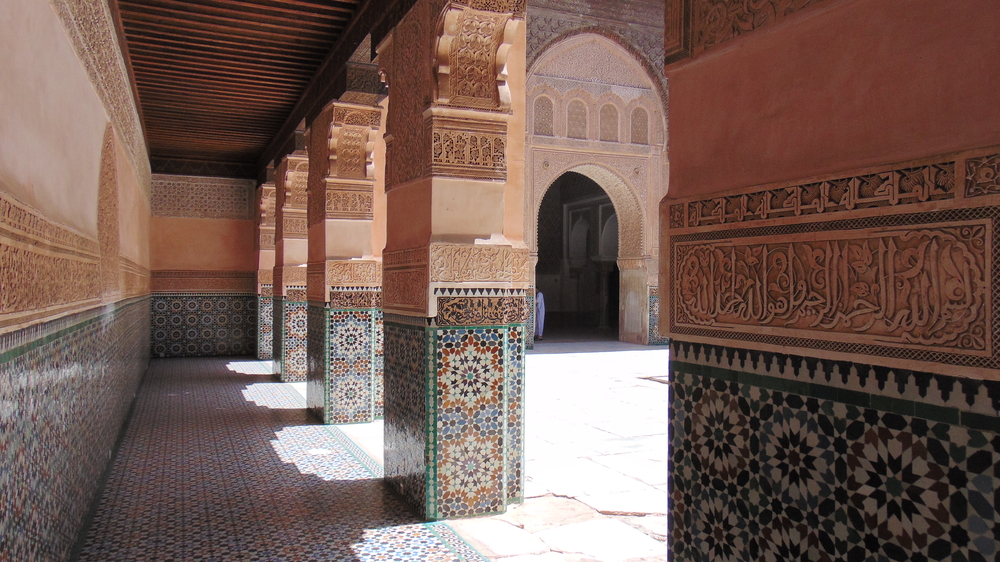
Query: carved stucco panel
[[924, 287], [202, 197], [353, 273], [470, 61], [617, 175], [466, 263]]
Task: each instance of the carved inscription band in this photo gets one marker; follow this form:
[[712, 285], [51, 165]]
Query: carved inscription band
[[924, 287]]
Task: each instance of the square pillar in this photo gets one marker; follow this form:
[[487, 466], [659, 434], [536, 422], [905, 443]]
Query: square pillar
[[265, 267], [289, 274], [456, 268], [345, 270]]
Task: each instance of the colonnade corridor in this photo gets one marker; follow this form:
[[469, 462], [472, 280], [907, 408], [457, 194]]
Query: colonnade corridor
[[219, 462]]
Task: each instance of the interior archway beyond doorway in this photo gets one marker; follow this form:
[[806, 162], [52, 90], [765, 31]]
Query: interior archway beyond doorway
[[579, 228]]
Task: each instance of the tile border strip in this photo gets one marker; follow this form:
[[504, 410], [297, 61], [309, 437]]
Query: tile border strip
[[930, 412]]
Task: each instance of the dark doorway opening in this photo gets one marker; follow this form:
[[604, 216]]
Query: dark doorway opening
[[577, 267]]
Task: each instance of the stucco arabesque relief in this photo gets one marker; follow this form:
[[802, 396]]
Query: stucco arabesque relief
[[615, 75], [893, 263], [266, 217], [45, 268], [201, 197], [628, 196], [292, 198]]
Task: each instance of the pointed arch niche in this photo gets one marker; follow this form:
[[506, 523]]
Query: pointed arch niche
[[624, 153]]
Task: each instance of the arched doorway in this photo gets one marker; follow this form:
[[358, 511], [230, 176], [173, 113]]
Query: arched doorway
[[577, 267], [593, 110]]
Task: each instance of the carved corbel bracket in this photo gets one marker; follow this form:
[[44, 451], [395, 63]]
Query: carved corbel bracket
[[267, 202], [471, 58], [351, 141]]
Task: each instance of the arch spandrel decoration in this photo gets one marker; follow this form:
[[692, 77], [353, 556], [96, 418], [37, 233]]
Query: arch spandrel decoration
[[631, 224], [629, 196]]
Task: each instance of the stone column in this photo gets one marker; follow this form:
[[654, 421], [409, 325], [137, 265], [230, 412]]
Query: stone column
[[455, 266], [290, 254], [345, 265], [265, 266]]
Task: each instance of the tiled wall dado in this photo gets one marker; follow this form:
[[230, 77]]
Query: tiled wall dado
[[835, 366], [265, 323], [780, 457], [290, 346], [454, 404], [203, 324], [654, 318], [65, 389], [345, 376]]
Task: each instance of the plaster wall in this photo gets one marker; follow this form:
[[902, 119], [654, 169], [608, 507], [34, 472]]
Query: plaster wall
[[346, 239], [378, 192], [842, 86], [178, 243], [52, 123], [133, 211], [513, 226], [413, 201]]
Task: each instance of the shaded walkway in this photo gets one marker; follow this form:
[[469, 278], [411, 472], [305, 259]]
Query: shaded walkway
[[220, 463]]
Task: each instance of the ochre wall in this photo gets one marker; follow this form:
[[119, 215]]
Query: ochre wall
[[202, 224], [841, 86], [133, 211], [178, 243]]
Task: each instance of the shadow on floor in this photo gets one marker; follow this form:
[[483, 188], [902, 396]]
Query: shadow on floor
[[218, 464]]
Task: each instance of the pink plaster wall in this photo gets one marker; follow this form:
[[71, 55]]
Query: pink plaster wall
[[133, 211], [850, 84], [202, 244]]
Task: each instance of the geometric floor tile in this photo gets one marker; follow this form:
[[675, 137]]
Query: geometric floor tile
[[217, 464]]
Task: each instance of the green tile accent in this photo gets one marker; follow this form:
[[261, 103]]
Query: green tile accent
[[936, 413], [982, 422], [894, 405]]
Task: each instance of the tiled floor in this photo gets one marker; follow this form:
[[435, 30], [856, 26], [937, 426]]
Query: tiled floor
[[221, 463], [596, 458]]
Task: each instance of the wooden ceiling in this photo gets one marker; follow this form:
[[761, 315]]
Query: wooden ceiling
[[217, 79]]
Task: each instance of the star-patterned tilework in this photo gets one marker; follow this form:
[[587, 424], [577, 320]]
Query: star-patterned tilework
[[265, 330], [766, 468], [654, 319], [220, 465], [470, 410], [345, 361], [65, 389], [515, 413], [203, 325], [293, 365]]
